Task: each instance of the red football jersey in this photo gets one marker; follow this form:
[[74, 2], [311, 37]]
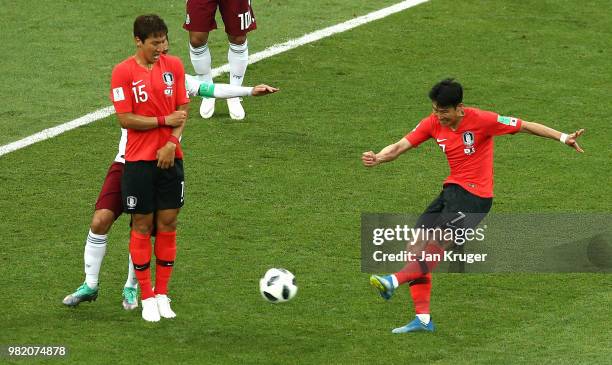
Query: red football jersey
[[151, 93], [469, 149]]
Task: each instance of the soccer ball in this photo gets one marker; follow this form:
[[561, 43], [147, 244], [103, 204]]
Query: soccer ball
[[277, 286]]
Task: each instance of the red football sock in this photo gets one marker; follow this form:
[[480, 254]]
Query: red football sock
[[165, 253], [140, 249], [420, 290], [415, 269]]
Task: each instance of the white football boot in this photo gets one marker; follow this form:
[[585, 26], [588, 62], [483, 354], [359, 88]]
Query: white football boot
[[236, 111], [207, 108], [192, 84], [163, 305], [150, 313]]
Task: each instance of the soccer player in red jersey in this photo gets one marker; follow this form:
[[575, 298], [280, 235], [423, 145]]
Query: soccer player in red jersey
[[149, 96], [465, 136], [238, 19]]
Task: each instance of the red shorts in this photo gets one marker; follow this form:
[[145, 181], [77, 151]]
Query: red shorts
[[237, 15], [110, 195]]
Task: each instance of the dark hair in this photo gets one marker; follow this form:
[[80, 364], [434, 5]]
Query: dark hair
[[150, 25], [446, 93]]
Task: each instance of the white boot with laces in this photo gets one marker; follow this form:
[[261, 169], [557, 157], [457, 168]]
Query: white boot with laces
[[150, 313], [163, 305]]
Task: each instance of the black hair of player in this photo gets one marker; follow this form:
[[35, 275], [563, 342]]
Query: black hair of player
[[149, 25], [447, 93]]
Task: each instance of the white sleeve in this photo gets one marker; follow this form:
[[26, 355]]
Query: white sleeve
[[122, 143], [226, 91]]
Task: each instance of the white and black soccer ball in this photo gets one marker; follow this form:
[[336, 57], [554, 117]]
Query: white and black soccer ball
[[278, 285]]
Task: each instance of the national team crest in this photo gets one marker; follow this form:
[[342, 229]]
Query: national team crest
[[468, 141], [468, 138], [131, 202], [168, 79]]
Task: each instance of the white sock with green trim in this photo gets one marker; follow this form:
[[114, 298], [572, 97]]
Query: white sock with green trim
[[131, 281], [238, 59], [95, 248], [201, 61]]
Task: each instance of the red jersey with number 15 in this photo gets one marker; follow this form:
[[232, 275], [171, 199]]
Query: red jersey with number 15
[[151, 93], [469, 149]]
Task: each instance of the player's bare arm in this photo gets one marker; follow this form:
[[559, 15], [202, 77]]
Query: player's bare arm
[[141, 123], [263, 89], [225, 91], [387, 154], [177, 118], [547, 132], [177, 131], [165, 155]]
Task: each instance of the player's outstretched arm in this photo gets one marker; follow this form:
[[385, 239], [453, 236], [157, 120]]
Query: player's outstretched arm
[[547, 132], [387, 154], [224, 91]]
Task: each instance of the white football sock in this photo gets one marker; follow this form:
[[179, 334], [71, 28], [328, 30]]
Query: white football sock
[[394, 281], [131, 281], [200, 59], [95, 248], [425, 318], [238, 58]]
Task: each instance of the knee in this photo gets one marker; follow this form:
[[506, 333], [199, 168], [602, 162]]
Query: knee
[[198, 39], [142, 224], [142, 228], [101, 222], [167, 224], [240, 39]]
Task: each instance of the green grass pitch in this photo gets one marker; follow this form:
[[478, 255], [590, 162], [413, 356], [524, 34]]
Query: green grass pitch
[[286, 186]]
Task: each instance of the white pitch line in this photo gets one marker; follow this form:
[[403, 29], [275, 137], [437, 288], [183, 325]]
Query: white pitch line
[[54, 131], [268, 52]]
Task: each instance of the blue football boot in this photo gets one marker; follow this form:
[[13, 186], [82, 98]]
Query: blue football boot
[[384, 285], [415, 326]]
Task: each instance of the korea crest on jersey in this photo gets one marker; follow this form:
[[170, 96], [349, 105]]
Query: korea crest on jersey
[[168, 78], [468, 143]]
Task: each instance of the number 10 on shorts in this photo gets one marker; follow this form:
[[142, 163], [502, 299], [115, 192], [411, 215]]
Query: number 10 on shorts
[[245, 20]]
